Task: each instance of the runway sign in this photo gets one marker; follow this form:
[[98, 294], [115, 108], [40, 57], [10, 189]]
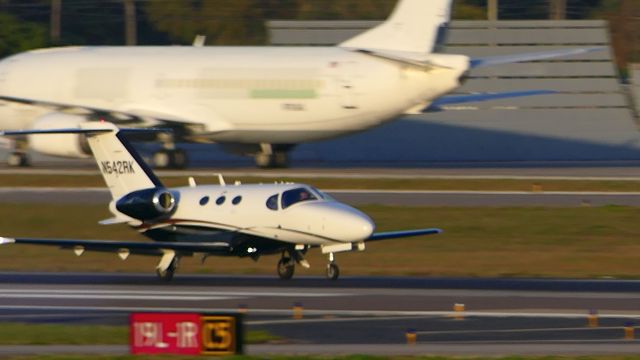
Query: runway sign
[[185, 333]]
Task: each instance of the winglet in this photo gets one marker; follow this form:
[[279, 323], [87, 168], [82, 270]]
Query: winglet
[[4, 241]]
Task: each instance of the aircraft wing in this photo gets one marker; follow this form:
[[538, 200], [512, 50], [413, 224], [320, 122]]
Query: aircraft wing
[[140, 118], [511, 59], [402, 234], [133, 247]]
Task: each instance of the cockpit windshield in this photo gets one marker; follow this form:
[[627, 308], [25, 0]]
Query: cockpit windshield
[[322, 195], [291, 197]]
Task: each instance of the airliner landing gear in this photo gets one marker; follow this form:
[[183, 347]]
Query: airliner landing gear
[[286, 268], [169, 157], [19, 156], [167, 274], [18, 159], [333, 271], [271, 157]]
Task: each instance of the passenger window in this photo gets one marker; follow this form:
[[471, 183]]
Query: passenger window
[[272, 202], [221, 200], [236, 200], [204, 201], [295, 196]]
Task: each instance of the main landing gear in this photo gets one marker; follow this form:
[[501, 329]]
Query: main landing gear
[[19, 156], [167, 267], [287, 265], [169, 157], [272, 156]]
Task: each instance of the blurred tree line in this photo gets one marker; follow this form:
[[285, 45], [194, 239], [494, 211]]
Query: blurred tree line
[[24, 24]]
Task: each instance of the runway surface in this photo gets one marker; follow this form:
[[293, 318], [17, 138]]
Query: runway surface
[[353, 315], [366, 197]]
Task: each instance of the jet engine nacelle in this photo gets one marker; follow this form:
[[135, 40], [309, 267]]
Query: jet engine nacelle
[[64, 145], [148, 204]]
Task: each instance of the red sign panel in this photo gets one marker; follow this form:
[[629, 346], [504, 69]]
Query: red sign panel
[[156, 333]]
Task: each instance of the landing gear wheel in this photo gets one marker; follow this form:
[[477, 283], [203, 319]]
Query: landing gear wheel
[[277, 160], [179, 159], [173, 159], [167, 275], [333, 271], [286, 268], [18, 159]]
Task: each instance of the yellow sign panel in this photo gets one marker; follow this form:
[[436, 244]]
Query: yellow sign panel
[[219, 335]]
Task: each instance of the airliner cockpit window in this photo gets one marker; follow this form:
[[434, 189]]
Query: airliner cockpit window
[[295, 196]]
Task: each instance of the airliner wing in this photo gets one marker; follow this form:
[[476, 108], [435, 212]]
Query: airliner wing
[[402, 234], [544, 55], [468, 98], [133, 247], [139, 117]]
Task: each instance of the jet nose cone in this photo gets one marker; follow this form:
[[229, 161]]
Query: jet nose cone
[[354, 225]]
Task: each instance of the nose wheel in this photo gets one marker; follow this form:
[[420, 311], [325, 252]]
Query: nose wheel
[[333, 271], [286, 268]]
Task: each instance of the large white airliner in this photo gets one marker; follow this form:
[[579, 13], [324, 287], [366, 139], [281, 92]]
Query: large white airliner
[[226, 220], [258, 101]]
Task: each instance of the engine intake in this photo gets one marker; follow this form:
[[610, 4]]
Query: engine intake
[[148, 204]]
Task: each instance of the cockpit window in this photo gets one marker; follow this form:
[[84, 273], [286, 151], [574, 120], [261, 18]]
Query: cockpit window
[[272, 202], [295, 196], [322, 195]]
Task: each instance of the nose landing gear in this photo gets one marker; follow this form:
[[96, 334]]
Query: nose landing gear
[[333, 271]]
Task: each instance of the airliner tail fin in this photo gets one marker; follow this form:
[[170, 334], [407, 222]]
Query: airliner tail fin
[[415, 26]]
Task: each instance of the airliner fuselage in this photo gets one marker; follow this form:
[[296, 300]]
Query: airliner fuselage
[[276, 95]]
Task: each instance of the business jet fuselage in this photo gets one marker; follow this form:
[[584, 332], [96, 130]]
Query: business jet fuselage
[[223, 220]]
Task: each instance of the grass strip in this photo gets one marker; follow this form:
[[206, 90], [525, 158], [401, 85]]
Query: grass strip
[[589, 242], [74, 334], [350, 183]]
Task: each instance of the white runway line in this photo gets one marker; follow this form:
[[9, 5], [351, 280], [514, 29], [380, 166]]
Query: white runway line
[[162, 294], [510, 331], [311, 312]]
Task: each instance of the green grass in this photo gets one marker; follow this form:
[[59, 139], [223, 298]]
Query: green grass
[[351, 357], [587, 242], [349, 183], [55, 334]]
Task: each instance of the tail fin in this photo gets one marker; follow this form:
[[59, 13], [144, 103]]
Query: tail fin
[[121, 166], [415, 26]]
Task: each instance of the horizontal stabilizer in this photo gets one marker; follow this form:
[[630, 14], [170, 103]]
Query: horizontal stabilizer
[[403, 234], [79, 131], [535, 56], [462, 99]]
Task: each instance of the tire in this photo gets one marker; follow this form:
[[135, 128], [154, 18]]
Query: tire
[[18, 160], [178, 159], [285, 269], [161, 159], [333, 271], [167, 275]]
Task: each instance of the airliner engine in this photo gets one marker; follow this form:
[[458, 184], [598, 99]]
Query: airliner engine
[[64, 145]]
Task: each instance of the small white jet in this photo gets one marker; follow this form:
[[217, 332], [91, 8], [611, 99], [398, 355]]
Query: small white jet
[[228, 220], [258, 101]]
